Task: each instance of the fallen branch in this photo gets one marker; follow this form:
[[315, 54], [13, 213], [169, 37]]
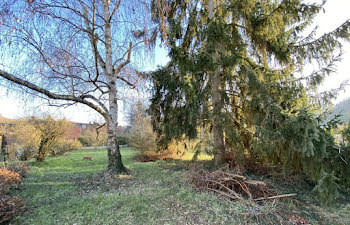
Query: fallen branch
[[255, 182], [276, 196], [236, 197]]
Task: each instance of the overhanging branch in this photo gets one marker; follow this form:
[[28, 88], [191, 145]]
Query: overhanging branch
[[50, 94]]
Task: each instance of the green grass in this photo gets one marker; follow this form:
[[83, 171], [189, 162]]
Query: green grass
[[202, 156], [69, 190]]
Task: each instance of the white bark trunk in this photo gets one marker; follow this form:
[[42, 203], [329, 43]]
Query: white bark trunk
[[115, 163]]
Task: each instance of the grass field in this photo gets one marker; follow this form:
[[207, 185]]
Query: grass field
[[68, 190]]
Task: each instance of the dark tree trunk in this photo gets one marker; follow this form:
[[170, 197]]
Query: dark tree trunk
[[219, 145], [40, 157]]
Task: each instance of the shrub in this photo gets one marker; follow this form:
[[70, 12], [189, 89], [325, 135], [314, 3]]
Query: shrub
[[11, 151], [62, 146], [26, 140], [10, 207], [122, 140], [18, 167], [8, 179], [86, 141], [50, 131], [26, 153], [11, 176], [142, 137]]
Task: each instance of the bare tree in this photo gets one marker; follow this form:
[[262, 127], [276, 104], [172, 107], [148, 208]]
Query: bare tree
[[78, 51]]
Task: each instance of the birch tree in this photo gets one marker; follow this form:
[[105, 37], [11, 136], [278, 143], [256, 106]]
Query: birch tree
[[77, 52]]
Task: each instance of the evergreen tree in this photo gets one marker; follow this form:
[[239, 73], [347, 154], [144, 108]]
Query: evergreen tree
[[237, 68]]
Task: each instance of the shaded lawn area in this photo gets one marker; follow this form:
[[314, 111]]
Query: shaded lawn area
[[69, 190]]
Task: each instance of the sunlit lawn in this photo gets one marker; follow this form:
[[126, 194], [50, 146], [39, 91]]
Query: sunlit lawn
[[62, 190], [202, 156], [69, 190]]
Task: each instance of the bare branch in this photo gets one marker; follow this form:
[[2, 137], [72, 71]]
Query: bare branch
[[126, 62], [97, 130], [96, 100], [50, 94], [93, 40], [114, 10], [126, 81]]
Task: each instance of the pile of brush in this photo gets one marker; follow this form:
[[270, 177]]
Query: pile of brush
[[231, 184]]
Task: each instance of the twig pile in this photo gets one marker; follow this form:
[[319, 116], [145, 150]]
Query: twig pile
[[229, 184]]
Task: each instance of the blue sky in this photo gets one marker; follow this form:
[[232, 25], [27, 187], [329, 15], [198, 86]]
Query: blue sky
[[336, 12]]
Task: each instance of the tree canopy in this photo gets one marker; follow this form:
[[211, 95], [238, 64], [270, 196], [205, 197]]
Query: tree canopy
[[237, 69]]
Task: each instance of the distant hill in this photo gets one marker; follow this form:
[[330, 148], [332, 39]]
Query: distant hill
[[342, 108]]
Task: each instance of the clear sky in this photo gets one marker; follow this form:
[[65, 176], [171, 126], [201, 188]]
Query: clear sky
[[336, 12]]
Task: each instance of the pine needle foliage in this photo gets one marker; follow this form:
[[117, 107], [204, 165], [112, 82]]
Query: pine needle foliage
[[241, 71]]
